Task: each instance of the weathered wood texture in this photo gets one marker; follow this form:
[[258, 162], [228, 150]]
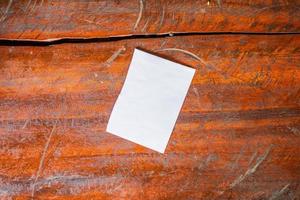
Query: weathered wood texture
[[237, 137], [47, 20]]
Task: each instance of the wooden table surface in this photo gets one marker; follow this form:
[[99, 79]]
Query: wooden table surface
[[62, 66]]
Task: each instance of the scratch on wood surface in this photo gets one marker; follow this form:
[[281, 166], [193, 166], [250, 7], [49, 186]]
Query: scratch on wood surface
[[92, 22], [196, 91], [207, 65], [294, 130], [163, 43], [210, 158], [162, 17], [78, 183], [27, 6], [42, 160], [277, 194], [251, 170], [25, 124], [20, 35], [42, 1], [219, 3], [146, 24], [33, 6], [183, 51], [41, 32], [6, 10], [140, 14], [109, 61], [269, 7], [252, 157], [264, 8], [234, 165]]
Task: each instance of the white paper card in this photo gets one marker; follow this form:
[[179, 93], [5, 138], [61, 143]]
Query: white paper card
[[150, 100]]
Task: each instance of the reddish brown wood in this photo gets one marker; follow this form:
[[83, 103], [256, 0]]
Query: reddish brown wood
[[50, 20], [237, 137]]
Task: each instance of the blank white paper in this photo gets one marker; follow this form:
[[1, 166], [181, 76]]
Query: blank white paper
[[150, 100]]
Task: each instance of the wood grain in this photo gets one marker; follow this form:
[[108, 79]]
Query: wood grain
[[51, 20], [237, 136]]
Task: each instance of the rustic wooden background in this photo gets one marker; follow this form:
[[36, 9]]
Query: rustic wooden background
[[237, 137]]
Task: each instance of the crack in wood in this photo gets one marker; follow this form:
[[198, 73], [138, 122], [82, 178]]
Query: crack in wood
[[64, 40]]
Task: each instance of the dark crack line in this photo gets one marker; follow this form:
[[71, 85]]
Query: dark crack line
[[48, 42]]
